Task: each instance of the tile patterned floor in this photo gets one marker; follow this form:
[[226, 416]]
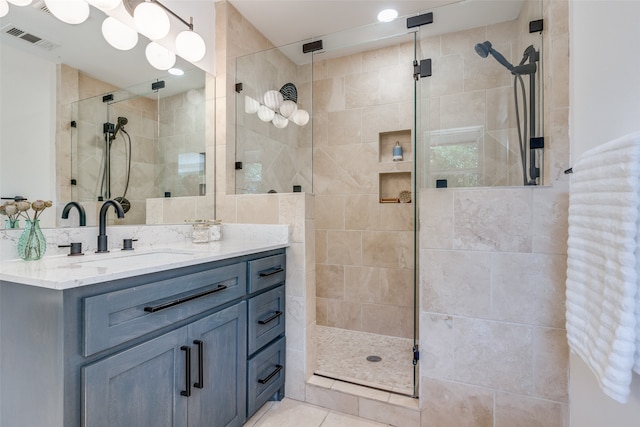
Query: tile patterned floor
[[342, 354], [292, 413]]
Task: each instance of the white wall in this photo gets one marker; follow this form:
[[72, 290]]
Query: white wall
[[605, 104], [27, 127]]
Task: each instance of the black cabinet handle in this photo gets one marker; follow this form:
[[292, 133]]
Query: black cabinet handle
[[187, 369], [271, 272], [200, 383], [271, 318], [153, 309], [271, 375]]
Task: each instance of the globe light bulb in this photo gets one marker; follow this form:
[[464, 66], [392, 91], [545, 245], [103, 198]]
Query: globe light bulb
[[151, 20], [287, 108], [20, 2], [4, 8], [251, 106], [265, 113], [273, 99], [279, 121], [190, 46], [159, 56], [105, 4], [118, 34], [300, 117], [69, 11]]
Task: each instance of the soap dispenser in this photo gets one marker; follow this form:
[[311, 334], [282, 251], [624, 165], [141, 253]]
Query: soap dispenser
[[397, 152]]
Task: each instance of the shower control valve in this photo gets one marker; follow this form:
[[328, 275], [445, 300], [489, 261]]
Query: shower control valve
[[127, 244], [76, 248]]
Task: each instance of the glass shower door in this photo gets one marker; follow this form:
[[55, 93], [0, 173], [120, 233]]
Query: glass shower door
[[363, 174]]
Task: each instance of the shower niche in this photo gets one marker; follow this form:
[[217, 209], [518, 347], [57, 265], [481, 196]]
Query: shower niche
[[395, 164]]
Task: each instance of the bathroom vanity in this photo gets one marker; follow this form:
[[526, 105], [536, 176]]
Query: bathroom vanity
[[156, 338]]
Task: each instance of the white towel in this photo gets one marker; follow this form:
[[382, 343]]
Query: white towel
[[603, 265]]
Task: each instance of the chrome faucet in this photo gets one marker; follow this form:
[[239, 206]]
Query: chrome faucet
[[67, 208], [102, 234]]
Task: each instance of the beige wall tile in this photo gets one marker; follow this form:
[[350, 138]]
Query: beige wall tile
[[523, 411], [448, 404], [387, 320], [436, 219], [550, 364], [321, 247], [491, 354], [330, 281], [332, 399], [362, 284], [389, 249], [344, 314], [493, 219], [258, 209], [437, 346], [448, 288], [529, 288], [344, 247], [550, 220], [362, 212], [330, 211]]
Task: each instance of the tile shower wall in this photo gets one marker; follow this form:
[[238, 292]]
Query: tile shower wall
[[364, 249], [492, 275]]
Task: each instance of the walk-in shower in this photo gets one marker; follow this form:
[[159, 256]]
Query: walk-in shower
[[110, 137], [527, 67]]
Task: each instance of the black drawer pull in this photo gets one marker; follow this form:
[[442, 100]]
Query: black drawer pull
[[271, 375], [153, 309], [271, 272], [200, 383], [187, 371], [271, 318]]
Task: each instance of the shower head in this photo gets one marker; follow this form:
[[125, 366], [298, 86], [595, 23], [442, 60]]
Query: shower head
[[485, 48], [122, 121]]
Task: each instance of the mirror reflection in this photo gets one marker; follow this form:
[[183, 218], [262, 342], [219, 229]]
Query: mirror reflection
[[129, 145], [53, 118]]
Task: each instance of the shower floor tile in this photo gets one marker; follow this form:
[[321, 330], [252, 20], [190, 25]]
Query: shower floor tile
[[342, 354]]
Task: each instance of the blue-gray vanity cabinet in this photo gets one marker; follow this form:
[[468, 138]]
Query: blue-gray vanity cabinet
[[192, 376], [266, 331], [54, 373]]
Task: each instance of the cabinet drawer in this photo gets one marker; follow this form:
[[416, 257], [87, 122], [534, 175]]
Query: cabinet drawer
[[265, 272], [265, 375], [116, 317], [266, 318]]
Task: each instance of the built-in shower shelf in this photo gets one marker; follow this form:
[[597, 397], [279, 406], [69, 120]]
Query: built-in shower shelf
[[394, 177], [388, 140]]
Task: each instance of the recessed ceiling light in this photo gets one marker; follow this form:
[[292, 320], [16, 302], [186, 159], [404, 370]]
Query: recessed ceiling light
[[176, 71], [387, 15]]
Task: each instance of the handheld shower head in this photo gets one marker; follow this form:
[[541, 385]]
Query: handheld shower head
[[485, 48], [122, 121]]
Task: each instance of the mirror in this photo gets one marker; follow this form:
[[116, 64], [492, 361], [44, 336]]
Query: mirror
[[45, 67]]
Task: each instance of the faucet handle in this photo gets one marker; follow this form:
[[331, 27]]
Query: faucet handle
[[76, 248], [127, 244]]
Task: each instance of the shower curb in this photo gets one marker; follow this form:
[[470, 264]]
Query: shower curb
[[364, 402]]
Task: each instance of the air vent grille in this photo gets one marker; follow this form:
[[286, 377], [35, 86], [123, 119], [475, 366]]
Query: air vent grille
[[28, 37]]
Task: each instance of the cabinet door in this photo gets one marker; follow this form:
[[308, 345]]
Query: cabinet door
[[218, 369], [140, 386]]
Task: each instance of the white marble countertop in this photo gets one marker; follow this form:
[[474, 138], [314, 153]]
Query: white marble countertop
[[61, 272]]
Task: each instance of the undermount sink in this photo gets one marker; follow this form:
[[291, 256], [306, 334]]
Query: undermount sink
[[128, 258]]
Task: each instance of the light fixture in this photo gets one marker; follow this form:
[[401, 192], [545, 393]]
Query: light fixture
[[118, 34], [300, 117], [278, 107], [69, 11], [387, 15], [159, 56], [20, 2], [151, 20], [287, 108], [176, 71], [279, 121], [4, 8], [190, 46], [105, 4], [273, 99], [265, 113], [251, 106]]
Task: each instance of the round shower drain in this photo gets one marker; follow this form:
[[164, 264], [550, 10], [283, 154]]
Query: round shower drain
[[374, 358]]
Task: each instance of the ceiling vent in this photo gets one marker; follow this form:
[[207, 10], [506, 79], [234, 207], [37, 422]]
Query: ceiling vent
[[28, 37]]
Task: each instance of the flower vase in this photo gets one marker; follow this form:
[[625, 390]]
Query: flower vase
[[11, 223], [32, 244]]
